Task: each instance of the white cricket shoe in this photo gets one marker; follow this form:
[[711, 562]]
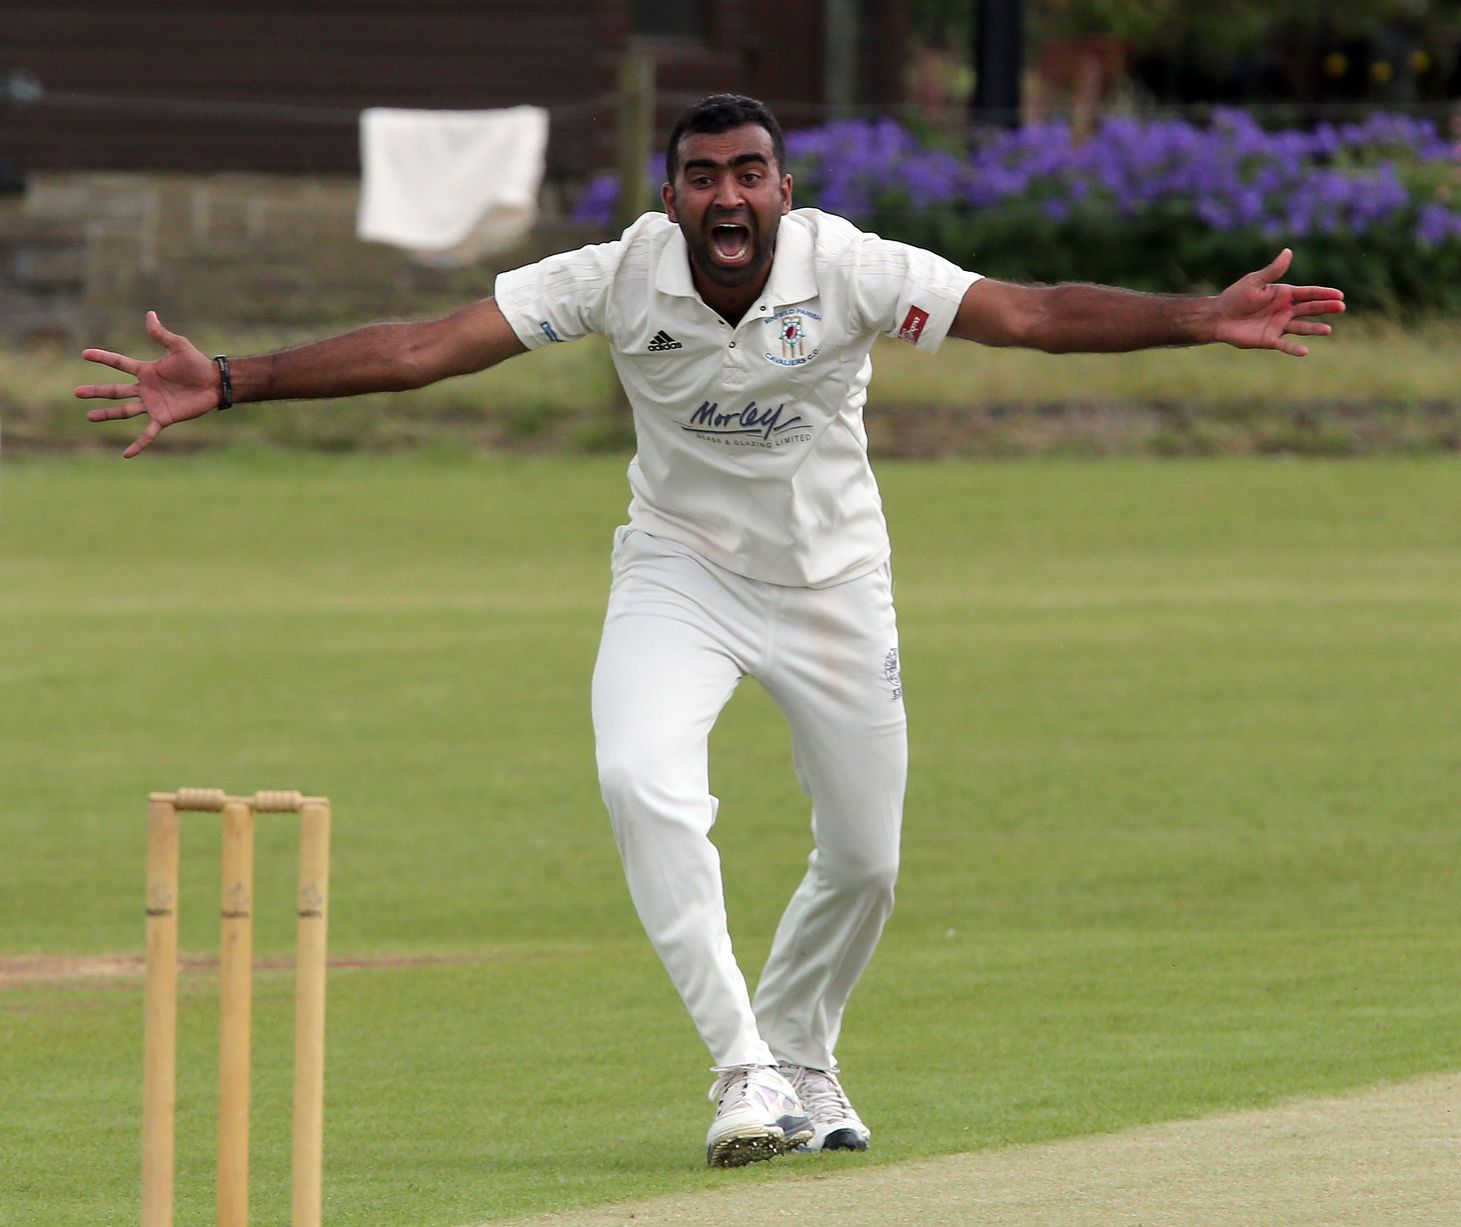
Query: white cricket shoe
[[757, 1116], [835, 1122]]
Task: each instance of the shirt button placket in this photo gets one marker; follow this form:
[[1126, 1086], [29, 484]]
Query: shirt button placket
[[734, 370]]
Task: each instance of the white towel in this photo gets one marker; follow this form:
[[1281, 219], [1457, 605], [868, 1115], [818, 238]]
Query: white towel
[[450, 186]]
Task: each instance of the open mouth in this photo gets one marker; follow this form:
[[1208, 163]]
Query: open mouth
[[730, 241]]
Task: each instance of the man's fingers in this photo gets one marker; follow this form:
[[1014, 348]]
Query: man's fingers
[[115, 413], [1308, 328], [1316, 293], [1279, 266], [1292, 348], [143, 440], [158, 333], [1318, 306], [107, 391], [128, 366]]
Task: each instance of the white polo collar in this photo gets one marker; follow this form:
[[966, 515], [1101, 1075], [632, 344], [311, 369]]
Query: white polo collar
[[793, 271]]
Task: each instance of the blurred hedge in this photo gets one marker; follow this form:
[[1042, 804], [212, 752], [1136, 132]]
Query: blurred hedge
[[1372, 207]]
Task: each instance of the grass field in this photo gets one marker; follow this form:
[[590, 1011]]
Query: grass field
[[566, 399], [1181, 828]]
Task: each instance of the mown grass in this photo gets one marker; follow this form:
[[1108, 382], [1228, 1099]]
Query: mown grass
[[1367, 358], [566, 398], [1181, 826]]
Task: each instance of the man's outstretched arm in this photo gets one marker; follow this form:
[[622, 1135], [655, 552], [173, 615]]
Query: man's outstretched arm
[[184, 383], [1255, 312]]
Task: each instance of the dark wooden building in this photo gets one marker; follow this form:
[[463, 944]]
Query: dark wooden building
[[277, 85]]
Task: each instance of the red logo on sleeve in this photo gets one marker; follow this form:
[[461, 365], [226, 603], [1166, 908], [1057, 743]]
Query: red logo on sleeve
[[913, 325]]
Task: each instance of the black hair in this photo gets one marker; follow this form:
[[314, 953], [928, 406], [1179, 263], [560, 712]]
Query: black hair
[[720, 113]]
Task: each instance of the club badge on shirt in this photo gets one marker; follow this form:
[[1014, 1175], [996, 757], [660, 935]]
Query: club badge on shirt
[[797, 336]]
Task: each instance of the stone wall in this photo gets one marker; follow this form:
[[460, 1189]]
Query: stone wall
[[88, 254]]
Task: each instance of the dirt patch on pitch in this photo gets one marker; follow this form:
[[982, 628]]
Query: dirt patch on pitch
[[50, 968], [1386, 1158]]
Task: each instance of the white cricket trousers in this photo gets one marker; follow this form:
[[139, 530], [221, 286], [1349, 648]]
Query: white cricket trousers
[[679, 635]]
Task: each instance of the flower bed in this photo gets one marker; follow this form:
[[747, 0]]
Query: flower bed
[[1374, 207]]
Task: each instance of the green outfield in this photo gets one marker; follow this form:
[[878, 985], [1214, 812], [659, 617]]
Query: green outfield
[[1379, 386], [1181, 835]]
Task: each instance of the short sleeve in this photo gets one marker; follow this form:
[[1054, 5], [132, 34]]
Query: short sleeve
[[907, 292], [560, 298]]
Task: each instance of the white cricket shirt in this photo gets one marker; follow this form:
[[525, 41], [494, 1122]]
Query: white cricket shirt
[[751, 446]]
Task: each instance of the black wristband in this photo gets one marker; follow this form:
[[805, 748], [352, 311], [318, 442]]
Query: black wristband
[[225, 376]]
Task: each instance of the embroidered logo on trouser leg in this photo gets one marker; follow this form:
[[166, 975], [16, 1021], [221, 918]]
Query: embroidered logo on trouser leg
[[890, 671]]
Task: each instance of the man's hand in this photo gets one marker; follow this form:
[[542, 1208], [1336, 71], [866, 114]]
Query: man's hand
[[182, 384], [1255, 312]]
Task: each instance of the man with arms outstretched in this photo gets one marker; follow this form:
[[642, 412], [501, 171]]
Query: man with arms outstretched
[[755, 544]]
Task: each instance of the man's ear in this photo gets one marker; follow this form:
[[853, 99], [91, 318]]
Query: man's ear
[[667, 194], [785, 194]]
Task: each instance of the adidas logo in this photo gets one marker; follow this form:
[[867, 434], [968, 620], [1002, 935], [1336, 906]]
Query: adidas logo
[[661, 341]]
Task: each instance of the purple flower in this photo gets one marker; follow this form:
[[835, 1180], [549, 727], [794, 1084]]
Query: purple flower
[[1232, 175], [1437, 225], [596, 204], [1214, 215]]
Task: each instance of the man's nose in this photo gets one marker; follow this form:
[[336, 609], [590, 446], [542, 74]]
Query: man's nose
[[728, 193]]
